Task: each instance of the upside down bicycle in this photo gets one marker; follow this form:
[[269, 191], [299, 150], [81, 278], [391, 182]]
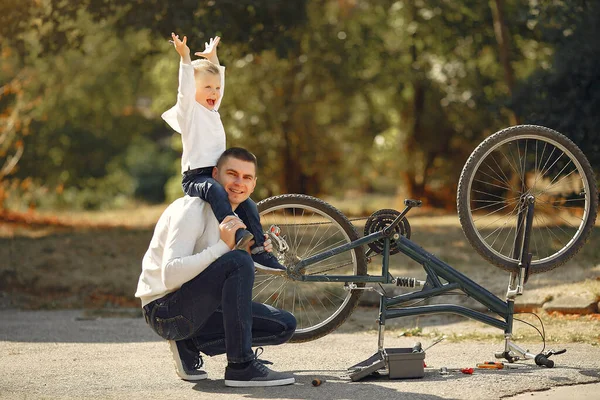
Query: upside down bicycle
[[527, 201]]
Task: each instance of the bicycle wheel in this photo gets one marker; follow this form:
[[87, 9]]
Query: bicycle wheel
[[517, 162], [310, 226]]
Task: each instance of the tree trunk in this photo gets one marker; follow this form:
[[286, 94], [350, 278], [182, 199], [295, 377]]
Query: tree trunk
[[414, 188], [296, 134], [503, 39]]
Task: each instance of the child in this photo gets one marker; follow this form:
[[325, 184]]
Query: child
[[195, 116]]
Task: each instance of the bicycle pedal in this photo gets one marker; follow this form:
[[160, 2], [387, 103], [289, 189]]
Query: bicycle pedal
[[412, 203]]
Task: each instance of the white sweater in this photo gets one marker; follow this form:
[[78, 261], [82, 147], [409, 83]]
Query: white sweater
[[201, 129], [186, 240]]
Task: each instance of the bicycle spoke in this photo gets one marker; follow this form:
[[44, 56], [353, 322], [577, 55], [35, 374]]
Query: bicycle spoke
[[307, 231]]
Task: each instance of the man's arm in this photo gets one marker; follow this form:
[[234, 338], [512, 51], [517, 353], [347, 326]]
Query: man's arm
[[180, 264]]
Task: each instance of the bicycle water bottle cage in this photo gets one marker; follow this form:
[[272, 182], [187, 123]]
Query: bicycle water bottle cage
[[412, 203]]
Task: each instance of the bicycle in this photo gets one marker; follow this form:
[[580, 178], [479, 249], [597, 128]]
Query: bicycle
[[527, 201]]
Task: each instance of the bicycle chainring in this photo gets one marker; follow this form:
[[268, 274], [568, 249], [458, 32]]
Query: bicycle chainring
[[381, 219]]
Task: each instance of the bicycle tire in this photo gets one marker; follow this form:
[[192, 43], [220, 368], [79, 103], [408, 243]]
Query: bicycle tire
[[310, 226], [556, 173]]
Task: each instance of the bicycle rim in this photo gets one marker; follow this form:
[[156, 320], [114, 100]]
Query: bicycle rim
[[317, 306], [529, 164]]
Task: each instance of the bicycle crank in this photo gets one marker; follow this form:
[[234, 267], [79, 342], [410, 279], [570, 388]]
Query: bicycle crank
[[380, 220]]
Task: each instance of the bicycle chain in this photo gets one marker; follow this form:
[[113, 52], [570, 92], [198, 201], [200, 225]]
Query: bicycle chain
[[323, 223]]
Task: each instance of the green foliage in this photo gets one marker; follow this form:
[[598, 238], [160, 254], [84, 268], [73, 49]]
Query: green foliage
[[89, 116], [332, 96], [566, 97], [150, 165]]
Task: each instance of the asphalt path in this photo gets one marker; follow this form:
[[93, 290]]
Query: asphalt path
[[66, 355]]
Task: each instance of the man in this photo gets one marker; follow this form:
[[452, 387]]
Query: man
[[196, 291]]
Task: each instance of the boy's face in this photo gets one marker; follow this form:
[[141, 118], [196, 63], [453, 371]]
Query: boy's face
[[208, 89]]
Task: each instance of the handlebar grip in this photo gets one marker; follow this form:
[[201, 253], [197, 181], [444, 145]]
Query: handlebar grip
[[541, 359]]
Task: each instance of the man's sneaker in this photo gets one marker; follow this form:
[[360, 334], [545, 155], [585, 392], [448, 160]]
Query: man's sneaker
[[242, 238], [256, 374], [187, 360], [266, 261]]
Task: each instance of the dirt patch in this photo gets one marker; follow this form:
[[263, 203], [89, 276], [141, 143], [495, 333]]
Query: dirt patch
[[74, 269], [83, 263]]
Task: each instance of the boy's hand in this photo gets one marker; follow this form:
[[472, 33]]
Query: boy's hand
[[182, 48], [210, 50], [267, 244]]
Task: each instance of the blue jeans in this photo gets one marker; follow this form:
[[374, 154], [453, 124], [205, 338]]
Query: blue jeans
[[215, 310], [202, 185]]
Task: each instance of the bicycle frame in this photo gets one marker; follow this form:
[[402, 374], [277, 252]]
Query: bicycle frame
[[436, 269]]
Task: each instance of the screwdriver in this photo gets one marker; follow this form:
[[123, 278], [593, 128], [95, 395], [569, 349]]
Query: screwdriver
[[491, 365]]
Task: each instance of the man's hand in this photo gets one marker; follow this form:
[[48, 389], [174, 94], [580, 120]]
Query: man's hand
[[182, 49], [210, 50], [228, 228]]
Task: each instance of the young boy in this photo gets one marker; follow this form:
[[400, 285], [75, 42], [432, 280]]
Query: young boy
[[196, 118]]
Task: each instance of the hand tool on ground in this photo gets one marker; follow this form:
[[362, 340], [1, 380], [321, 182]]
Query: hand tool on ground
[[491, 365]]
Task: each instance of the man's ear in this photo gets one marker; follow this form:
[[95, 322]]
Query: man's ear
[[215, 172]]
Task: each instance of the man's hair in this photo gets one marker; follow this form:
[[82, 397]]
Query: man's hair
[[203, 65], [237, 153]]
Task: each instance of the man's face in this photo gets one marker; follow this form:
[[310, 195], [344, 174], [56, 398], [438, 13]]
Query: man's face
[[238, 177], [208, 89]]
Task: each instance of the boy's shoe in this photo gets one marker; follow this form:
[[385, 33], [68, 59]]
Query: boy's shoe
[[187, 360], [255, 375], [266, 261], [242, 238]]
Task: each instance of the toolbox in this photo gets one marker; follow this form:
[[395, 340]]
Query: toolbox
[[400, 363], [404, 363]]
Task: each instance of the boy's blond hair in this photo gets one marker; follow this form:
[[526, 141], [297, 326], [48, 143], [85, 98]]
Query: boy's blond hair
[[203, 65]]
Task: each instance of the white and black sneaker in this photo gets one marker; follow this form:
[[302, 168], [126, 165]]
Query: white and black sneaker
[[187, 360], [256, 375]]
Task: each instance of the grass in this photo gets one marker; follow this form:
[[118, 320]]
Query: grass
[[559, 328]]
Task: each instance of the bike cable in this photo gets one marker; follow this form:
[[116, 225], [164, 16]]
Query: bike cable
[[542, 333]]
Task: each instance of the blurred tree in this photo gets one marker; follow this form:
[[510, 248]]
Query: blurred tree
[[565, 94], [371, 91], [332, 95], [504, 39], [74, 74], [77, 108], [439, 69], [307, 115]]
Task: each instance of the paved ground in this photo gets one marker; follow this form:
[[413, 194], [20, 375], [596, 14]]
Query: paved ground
[[64, 355]]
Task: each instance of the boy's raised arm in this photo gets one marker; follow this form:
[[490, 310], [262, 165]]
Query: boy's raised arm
[[182, 49], [210, 50]]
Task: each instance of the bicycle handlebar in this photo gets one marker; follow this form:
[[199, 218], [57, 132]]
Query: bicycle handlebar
[[541, 359]]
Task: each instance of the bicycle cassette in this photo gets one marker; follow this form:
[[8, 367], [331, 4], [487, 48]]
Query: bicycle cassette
[[381, 219]]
